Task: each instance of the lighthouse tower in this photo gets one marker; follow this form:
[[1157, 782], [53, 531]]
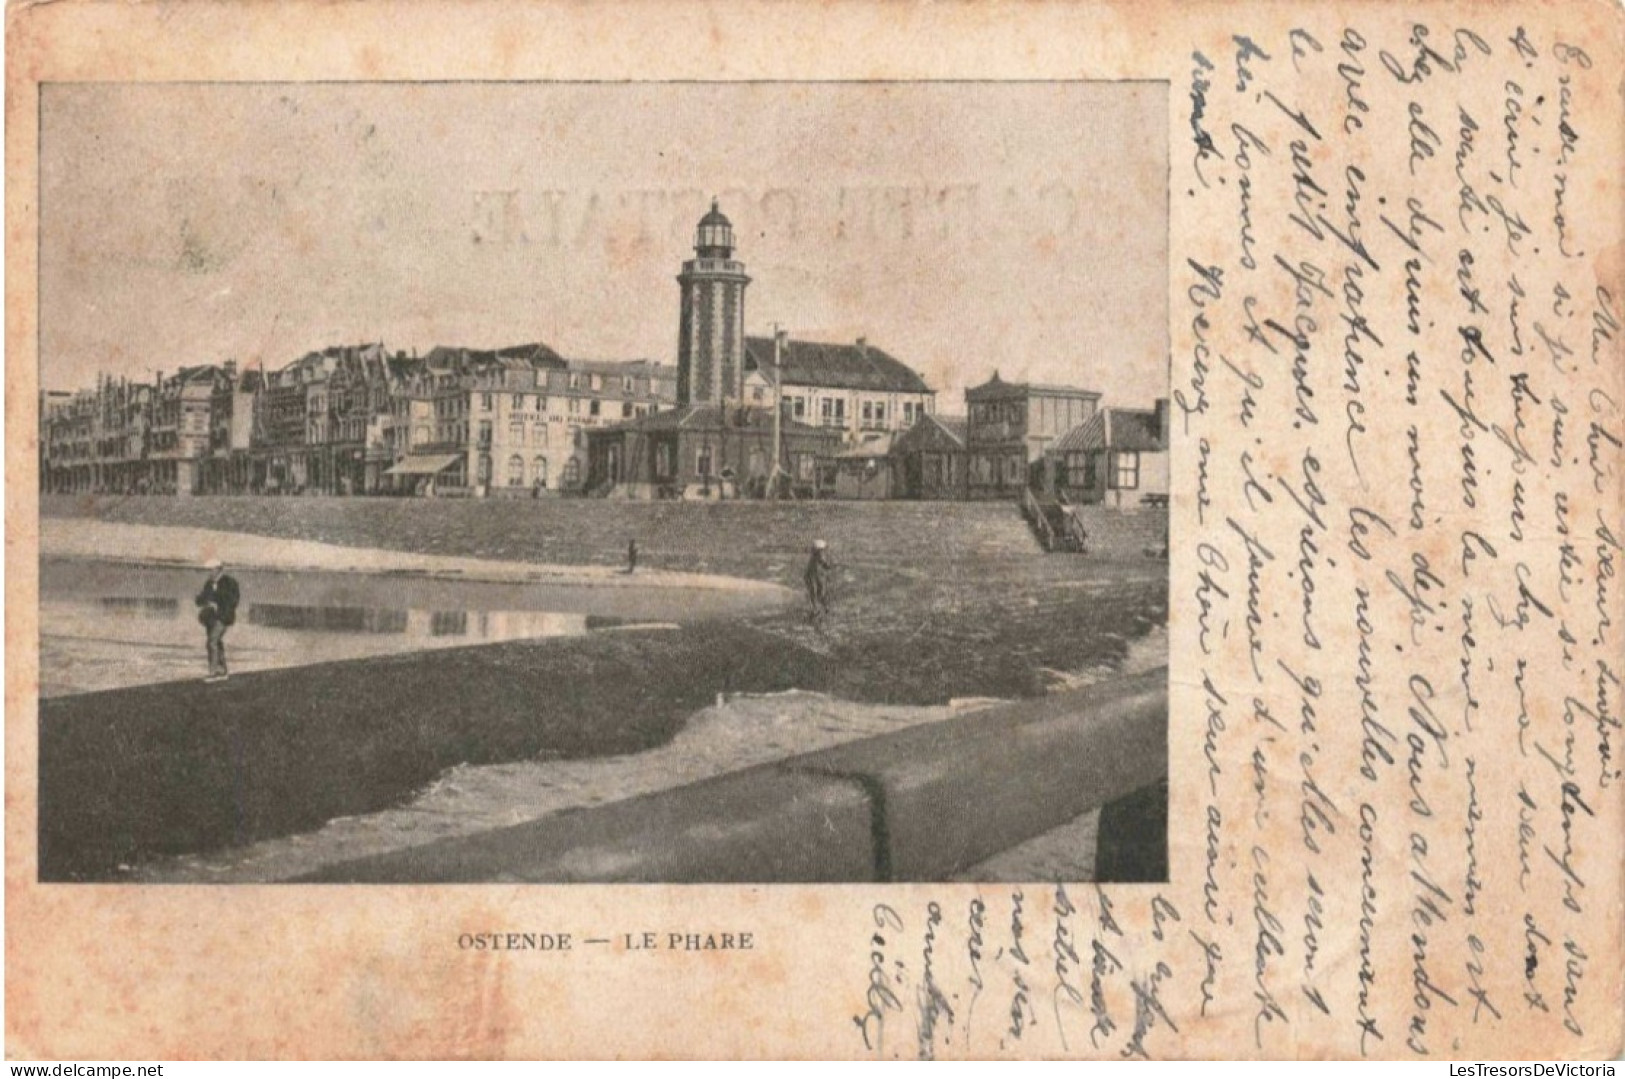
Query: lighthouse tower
[[711, 342]]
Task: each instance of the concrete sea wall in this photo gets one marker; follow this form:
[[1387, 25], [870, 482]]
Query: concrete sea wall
[[915, 805]]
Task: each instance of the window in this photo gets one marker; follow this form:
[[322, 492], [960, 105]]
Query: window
[[516, 432], [1081, 470], [909, 413], [1013, 469], [539, 468], [485, 432], [663, 461], [626, 409], [595, 382], [485, 402], [485, 469], [832, 412], [572, 473], [519, 404], [1125, 471], [593, 406], [575, 380], [516, 471], [806, 467], [575, 406], [541, 403], [798, 408]]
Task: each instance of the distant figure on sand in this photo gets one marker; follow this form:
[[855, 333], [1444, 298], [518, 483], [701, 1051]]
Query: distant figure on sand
[[631, 556], [817, 576], [217, 610]]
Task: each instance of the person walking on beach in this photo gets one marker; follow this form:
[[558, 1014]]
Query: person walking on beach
[[819, 568], [217, 610]]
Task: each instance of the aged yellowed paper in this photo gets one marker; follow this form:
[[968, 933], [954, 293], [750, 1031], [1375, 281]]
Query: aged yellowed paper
[[681, 529]]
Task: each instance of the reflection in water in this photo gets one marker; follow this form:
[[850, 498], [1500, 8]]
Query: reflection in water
[[478, 625], [342, 619], [104, 626], [140, 606], [448, 624], [327, 619]]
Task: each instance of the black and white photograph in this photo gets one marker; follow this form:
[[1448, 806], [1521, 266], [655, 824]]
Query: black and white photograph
[[475, 482]]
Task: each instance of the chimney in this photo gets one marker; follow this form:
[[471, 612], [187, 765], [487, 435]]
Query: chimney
[[863, 347], [1162, 422]]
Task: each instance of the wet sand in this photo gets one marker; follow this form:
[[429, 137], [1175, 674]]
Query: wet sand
[[734, 734], [116, 604], [117, 541], [932, 602]]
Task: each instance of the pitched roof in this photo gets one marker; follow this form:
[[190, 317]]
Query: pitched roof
[[711, 417], [402, 366], [847, 367], [643, 368], [933, 432], [956, 426], [1129, 430], [197, 373], [996, 388], [511, 357]]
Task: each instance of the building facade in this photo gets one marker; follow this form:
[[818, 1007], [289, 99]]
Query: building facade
[[182, 427], [1118, 457], [348, 420], [73, 440], [856, 389], [863, 471], [709, 452], [227, 469], [928, 460], [513, 422], [1008, 429]]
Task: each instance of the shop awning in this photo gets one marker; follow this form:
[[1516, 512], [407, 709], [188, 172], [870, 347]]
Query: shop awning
[[423, 466]]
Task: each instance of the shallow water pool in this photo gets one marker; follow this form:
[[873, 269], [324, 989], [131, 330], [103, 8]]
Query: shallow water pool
[[109, 624]]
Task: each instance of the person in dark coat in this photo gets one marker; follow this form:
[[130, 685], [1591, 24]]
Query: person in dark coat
[[819, 567], [632, 555], [217, 610]]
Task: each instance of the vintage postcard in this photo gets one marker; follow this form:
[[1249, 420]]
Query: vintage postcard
[[1088, 530]]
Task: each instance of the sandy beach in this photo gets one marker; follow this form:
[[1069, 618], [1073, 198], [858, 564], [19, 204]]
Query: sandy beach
[[282, 770]]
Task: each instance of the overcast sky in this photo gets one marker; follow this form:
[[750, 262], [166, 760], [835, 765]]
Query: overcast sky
[[962, 227]]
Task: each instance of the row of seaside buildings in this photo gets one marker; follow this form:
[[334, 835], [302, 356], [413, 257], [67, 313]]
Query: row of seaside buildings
[[852, 421], [347, 420]]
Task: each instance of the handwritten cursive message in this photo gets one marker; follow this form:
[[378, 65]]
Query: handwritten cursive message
[[1399, 420]]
